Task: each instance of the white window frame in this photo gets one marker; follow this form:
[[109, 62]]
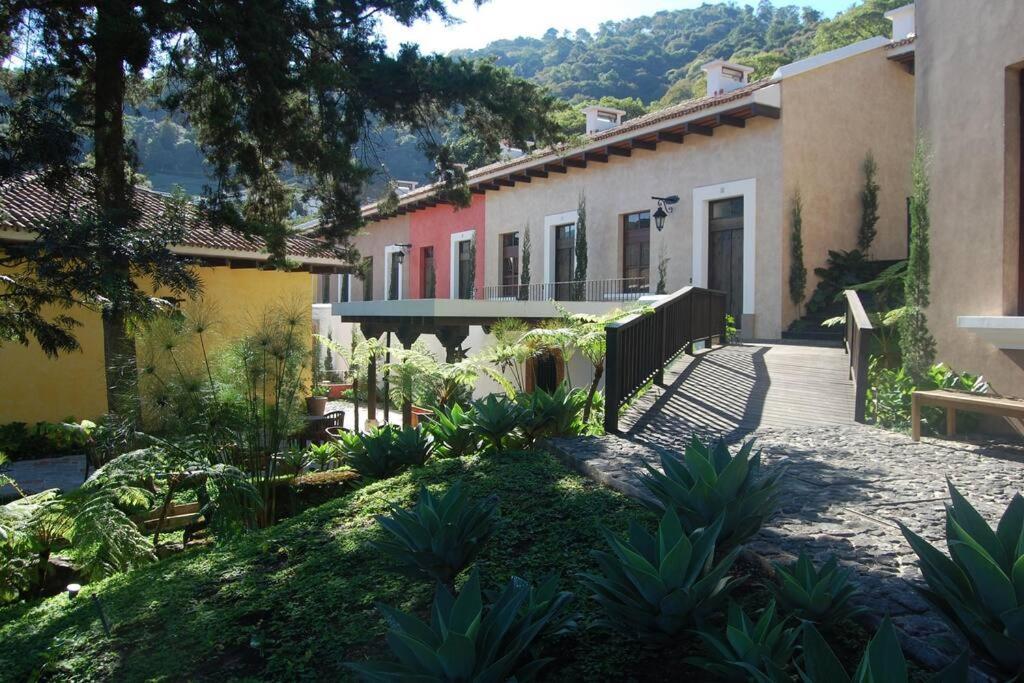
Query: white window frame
[[388, 251], [550, 223], [702, 197], [453, 263]]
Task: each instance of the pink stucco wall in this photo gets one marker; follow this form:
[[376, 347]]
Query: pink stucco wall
[[434, 227]]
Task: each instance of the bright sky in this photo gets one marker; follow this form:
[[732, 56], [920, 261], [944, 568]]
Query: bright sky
[[499, 19]]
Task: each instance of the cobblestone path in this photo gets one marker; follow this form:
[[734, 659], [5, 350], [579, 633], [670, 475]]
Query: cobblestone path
[[845, 487]]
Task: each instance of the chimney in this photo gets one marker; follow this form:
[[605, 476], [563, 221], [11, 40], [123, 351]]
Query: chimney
[[724, 77], [902, 19], [602, 118], [405, 186]]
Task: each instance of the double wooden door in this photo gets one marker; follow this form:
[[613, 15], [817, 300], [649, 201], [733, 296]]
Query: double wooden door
[[725, 253]]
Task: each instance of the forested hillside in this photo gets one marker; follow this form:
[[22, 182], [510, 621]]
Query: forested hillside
[[635, 64]]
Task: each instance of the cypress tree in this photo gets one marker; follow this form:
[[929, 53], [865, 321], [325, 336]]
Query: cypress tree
[[868, 205], [580, 275], [524, 273], [797, 270], [916, 343]]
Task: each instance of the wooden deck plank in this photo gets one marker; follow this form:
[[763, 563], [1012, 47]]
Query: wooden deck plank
[[739, 388]]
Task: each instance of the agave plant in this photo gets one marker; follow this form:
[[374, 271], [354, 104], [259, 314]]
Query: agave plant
[[413, 445], [438, 538], [495, 419], [708, 482], [818, 595], [387, 450], [883, 660], [979, 588], [466, 641], [759, 651], [551, 414], [453, 432], [655, 585], [376, 457]]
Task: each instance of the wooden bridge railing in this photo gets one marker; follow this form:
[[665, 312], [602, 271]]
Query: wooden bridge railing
[[859, 333], [640, 346]]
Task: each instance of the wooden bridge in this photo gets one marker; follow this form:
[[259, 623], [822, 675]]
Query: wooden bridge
[[734, 390]]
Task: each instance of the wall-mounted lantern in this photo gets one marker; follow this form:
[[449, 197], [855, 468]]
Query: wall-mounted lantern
[[400, 254], [665, 205]]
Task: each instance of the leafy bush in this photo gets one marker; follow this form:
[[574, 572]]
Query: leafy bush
[[325, 456], [439, 538], [552, 414], [818, 595], [749, 651], [387, 450], [654, 586], [495, 420], [44, 439], [453, 432], [708, 483], [465, 641], [883, 660], [979, 588], [843, 270], [889, 399]]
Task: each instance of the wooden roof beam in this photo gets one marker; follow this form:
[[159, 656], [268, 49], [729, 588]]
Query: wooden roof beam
[[490, 186], [520, 177], [643, 144], [666, 136], [697, 129], [596, 156], [728, 120], [618, 151], [536, 173], [765, 110], [504, 182], [555, 168], [478, 189], [576, 163]]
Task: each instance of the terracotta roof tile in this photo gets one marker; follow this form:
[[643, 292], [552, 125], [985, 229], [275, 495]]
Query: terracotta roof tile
[[662, 115], [26, 202]]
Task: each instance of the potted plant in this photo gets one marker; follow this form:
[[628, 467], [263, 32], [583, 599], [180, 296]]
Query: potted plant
[[316, 403]]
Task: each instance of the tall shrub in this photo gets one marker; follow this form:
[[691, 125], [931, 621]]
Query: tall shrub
[[797, 269], [868, 205], [524, 273], [916, 342], [580, 275]]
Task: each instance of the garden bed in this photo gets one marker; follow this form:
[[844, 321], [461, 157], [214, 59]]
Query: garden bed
[[298, 599]]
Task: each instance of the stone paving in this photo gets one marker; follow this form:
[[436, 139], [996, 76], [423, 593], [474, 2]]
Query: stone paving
[[845, 487], [65, 473]]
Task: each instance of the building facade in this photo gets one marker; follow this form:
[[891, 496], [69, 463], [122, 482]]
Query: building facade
[[696, 194], [969, 60]]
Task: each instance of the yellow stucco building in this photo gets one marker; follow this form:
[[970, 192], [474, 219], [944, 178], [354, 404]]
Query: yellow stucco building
[[234, 284]]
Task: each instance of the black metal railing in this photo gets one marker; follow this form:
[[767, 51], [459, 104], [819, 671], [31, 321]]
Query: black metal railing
[[640, 346], [619, 289], [859, 333]]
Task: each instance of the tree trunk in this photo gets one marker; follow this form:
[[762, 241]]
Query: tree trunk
[[113, 190], [598, 372]]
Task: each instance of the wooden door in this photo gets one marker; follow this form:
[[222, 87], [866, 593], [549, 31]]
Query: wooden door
[[636, 252], [428, 284], [394, 277], [565, 260], [509, 264], [725, 253], [465, 279]]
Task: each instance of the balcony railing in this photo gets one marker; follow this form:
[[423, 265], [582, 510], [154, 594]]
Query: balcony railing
[[621, 289]]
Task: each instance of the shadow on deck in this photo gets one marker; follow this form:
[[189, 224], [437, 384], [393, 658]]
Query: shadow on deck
[[733, 391]]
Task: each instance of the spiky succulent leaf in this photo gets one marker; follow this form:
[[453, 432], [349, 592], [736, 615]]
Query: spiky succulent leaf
[[818, 595], [438, 537], [467, 640], [979, 587], [758, 651], [708, 482], [495, 420], [655, 585]]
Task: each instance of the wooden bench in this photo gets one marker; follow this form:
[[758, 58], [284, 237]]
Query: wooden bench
[[960, 400]]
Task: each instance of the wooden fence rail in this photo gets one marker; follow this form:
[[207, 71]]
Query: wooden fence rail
[[640, 346], [859, 333]]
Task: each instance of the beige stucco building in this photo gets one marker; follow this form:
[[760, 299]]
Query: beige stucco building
[[969, 58], [730, 164]]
